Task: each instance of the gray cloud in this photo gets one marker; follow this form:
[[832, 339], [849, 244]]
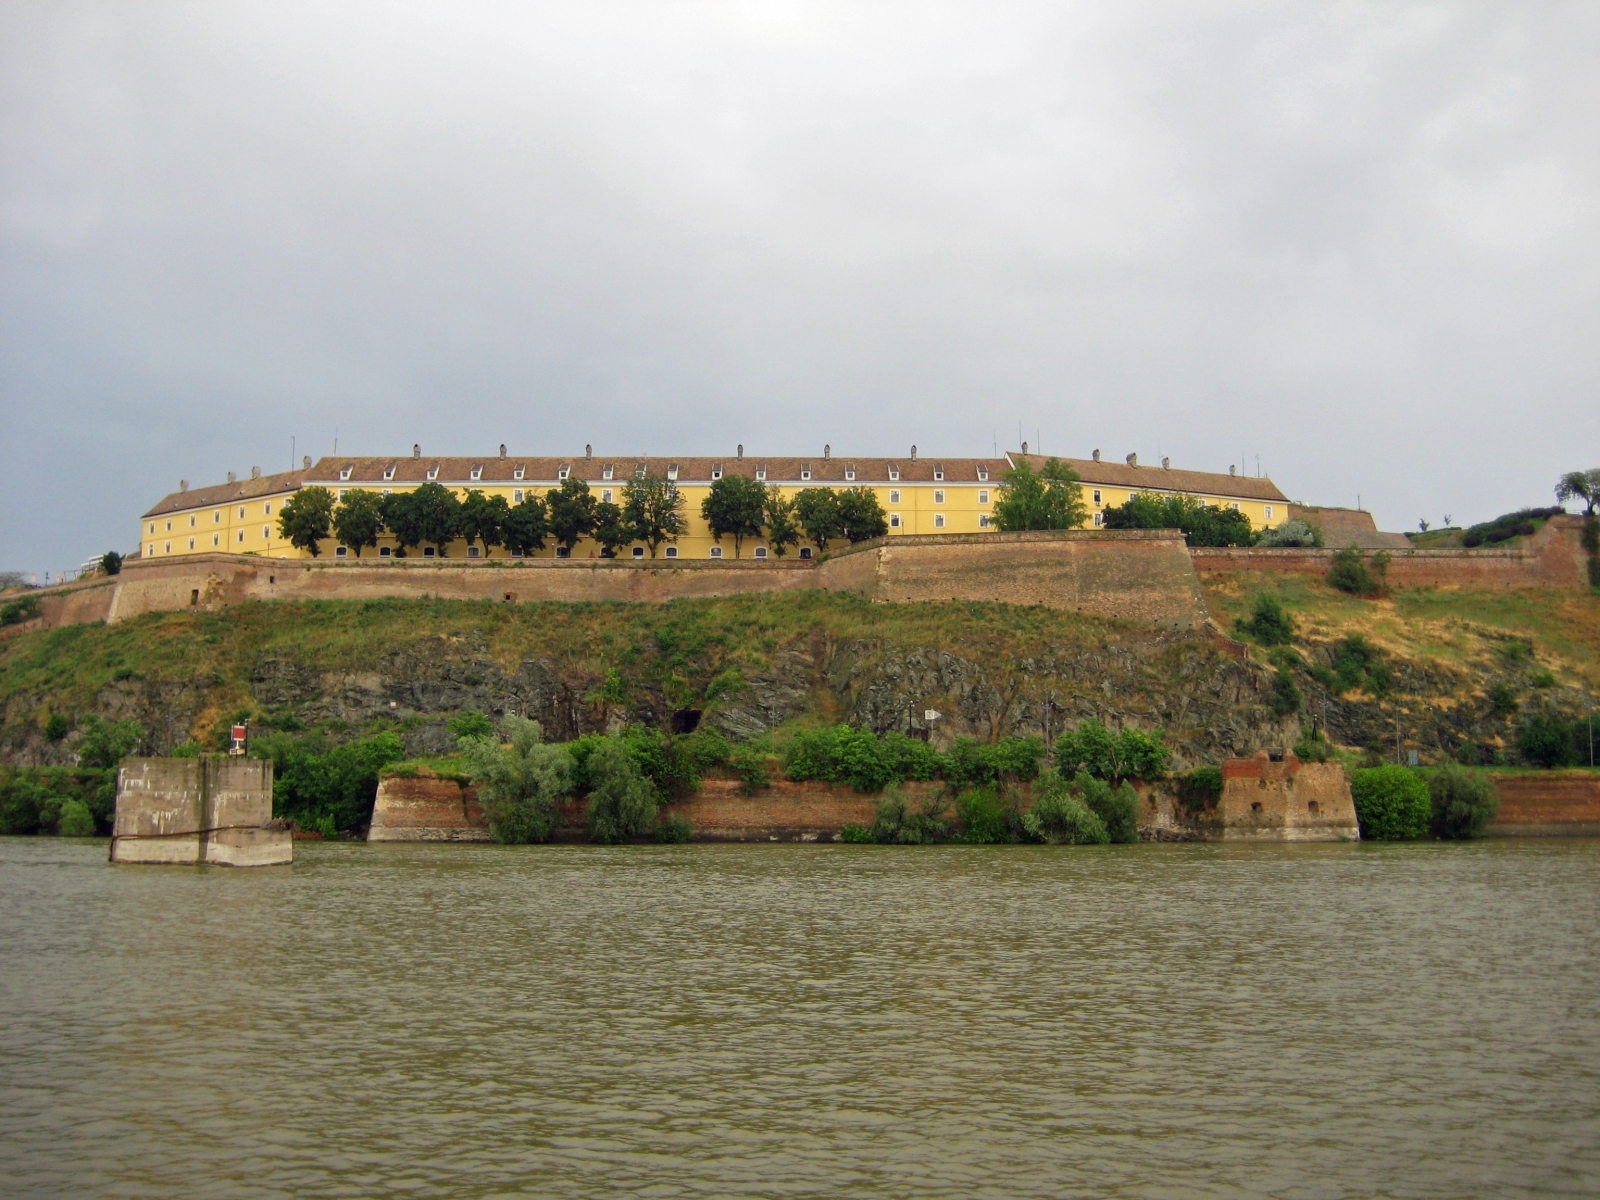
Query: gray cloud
[[1359, 242]]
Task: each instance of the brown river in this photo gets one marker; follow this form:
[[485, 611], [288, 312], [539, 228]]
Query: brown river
[[694, 1021]]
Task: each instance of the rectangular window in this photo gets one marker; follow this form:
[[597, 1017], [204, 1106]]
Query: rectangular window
[[191, 543], [894, 473], [344, 472], [241, 535], [563, 552], [152, 530], [563, 472], [850, 473], [152, 549], [388, 472], [938, 474], [516, 496], [385, 552], [343, 492], [805, 473], [938, 495], [519, 472], [167, 547], [341, 552], [1097, 495], [191, 520], [1269, 512], [672, 552], [1235, 506], [638, 551], [761, 473], [894, 520], [216, 539], [267, 508], [983, 474], [983, 495], [761, 552], [266, 532], [938, 520], [716, 552], [605, 495], [894, 496], [476, 473], [983, 520], [1099, 520], [472, 552], [428, 552], [241, 512], [216, 517], [433, 473], [805, 551], [169, 526]]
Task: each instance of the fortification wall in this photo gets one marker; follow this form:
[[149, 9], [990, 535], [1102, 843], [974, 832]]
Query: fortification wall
[[197, 810], [1286, 801], [1547, 804], [1553, 557]]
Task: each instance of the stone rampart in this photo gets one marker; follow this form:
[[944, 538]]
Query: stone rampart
[[1286, 801], [1547, 804], [197, 810], [1553, 557]]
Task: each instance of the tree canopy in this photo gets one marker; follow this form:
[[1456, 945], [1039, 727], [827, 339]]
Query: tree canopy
[[735, 507], [861, 517], [653, 510], [358, 520], [306, 518], [1048, 499], [1202, 524], [483, 518], [526, 525], [817, 510], [783, 527], [438, 515], [1580, 485], [571, 509], [611, 531]]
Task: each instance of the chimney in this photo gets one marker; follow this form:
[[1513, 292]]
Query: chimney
[[183, 485], [1024, 447], [231, 477], [502, 449], [1133, 460], [416, 450], [1232, 470], [913, 454], [1166, 464], [1097, 456], [741, 449], [827, 453], [255, 472], [588, 450], [305, 463]]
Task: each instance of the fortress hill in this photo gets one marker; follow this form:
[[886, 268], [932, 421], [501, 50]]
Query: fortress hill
[[920, 495]]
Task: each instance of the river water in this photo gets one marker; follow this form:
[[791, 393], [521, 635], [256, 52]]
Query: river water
[[1151, 1021]]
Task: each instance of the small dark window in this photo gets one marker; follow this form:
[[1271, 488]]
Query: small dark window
[[510, 597], [563, 552], [194, 597], [686, 720], [272, 579], [805, 551], [1255, 806], [1311, 806]]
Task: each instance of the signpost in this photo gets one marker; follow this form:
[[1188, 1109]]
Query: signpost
[[239, 739]]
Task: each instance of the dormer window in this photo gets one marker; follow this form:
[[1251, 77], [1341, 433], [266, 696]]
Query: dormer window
[[983, 474], [388, 472], [638, 471], [433, 473], [938, 474], [563, 472], [805, 472], [344, 472], [894, 474], [850, 473], [607, 471], [716, 471], [672, 472], [761, 473], [476, 473], [518, 472]]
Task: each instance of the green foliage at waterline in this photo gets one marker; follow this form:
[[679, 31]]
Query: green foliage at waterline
[[1392, 803], [1464, 802], [64, 801]]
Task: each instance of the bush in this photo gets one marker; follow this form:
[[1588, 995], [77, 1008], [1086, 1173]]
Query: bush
[[1313, 747], [843, 754], [1503, 698], [1061, 818], [1464, 802], [1547, 740], [107, 743], [75, 820], [976, 764], [1119, 809], [470, 725], [1503, 528], [981, 817], [896, 823], [1392, 803], [1286, 695], [40, 799], [840, 754], [1542, 679], [520, 787], [857, 834], [330, 788], [1269, 622], [674, 830], [1200, 789], [24, 608], [1291, 533], [751, 768], [57, 727], [1349, 573], [1358, 663], [1202, 524], [1131, 754], [622, 799]]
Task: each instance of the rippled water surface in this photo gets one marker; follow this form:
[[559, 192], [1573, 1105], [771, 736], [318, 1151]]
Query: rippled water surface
[[1164, 1021]]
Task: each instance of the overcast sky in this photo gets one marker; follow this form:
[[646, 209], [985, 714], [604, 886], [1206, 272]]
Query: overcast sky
[[1361, 242]]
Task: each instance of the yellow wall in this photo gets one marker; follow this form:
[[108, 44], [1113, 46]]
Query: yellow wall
[[964, 506]]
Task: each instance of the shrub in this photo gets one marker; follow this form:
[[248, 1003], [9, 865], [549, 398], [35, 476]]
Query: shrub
[[24, 608], [1547, 740], [857, 834], [1358, 663], [520, 787], [1201, 788], [57, 727], [76, 820], [1131, 754], [751, 768], [107, 743], [21, 800], [1392, 803], [1269, 622], [1503, 697], [674, 830], [975, 764], [897, 823], [1313, 747], [1202, 524], [328, 787], [470, 725], [981, 817], [1061, 818], [622, 799], [1291, 533], [1286, 694], [1349, 573], [1504, 528], [1119, 809], [1543, 679], [1464, 802]]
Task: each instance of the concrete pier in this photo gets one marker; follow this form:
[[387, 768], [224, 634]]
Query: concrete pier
[[197, 810]]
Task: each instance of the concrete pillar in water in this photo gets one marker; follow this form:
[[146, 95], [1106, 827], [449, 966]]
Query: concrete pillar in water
[[197, 810]]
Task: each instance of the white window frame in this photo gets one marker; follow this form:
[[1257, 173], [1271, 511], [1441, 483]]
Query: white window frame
[[1099, 520], [563, 472], [607, 471], [388, 472], [716, 552], [805, 551], [761, 474], [1268, 511], [343, 492], [894, 495], [761, 551], [805, 472], [152, 553], [241, 514], [983, 474], [938, 520], [266, 533], [983, 520], [850, 474], [241, 535], [605, 495], [191, 543], [475, 473], [894, 474], [474, 552], [168, 547], [638, 551], [216, 539], [341, 552], [169, 522], [385, 552], [938, 474], [894, 520], [433, 474], [266, 509], [518, 472], [983, 495], [216, 517], [344, 472], [517, 495], [938, 495], [1097, 495], [672, 473], [672, 552], [191, 520]]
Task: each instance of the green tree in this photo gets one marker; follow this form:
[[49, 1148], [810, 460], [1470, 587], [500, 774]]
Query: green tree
[[571, 510], [306, 518], [470, 724], [111, 562], [1392, 803], [1060, 817], [402, 517], [1580, 485], [1048, 499], [483, 519], [817, 510], [359, 519], [611, 529], [1464, 801], [1130, 754], [1269, 622], [437, 514], [653, 509], [76, 820], [622, 801], [1349, 573], [735, 507], [1202, 524], [526, 526], [783, 526], [520, 786], [1118, 808], [107, 743], [861, 517]]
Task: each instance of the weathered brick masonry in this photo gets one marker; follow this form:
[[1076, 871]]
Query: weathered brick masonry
[[1546, 803]]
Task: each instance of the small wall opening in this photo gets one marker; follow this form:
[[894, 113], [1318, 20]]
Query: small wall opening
[[686, 720], [1255, 806], [1311, 807], [510, 597], [194, 598]]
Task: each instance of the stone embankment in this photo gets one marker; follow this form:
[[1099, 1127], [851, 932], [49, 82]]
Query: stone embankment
[[179, 811], [1547, 804]]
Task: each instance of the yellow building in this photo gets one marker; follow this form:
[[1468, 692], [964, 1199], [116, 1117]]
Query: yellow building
[[920, 495]]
